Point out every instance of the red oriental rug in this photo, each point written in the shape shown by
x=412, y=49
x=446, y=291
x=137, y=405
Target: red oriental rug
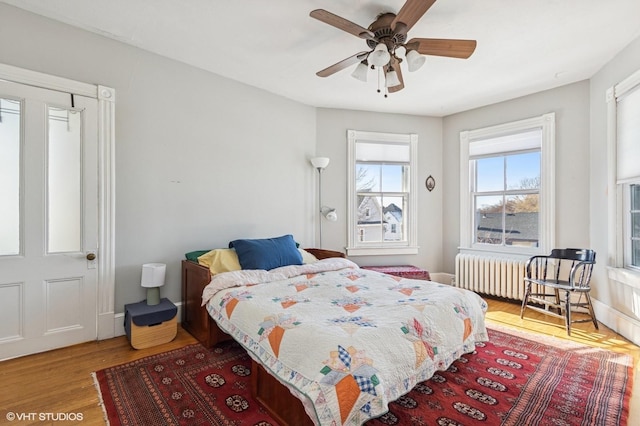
x=509, y=380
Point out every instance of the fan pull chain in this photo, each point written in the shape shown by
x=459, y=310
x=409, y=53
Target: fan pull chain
x=381, y=82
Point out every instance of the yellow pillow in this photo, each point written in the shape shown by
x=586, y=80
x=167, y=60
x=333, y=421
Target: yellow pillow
x=220, y=260
x=307, y=257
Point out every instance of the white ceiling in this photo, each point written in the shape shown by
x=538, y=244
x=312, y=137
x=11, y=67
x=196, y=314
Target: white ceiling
x=524, y=46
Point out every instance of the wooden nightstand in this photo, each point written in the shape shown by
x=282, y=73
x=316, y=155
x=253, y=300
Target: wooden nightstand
x=150, y=325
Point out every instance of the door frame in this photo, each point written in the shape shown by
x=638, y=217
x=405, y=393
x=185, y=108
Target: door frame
x=106, y=97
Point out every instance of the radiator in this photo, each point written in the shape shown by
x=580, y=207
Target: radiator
x=493, y=276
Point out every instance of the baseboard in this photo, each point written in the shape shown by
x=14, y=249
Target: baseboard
x=617, y=321
x=118, y=321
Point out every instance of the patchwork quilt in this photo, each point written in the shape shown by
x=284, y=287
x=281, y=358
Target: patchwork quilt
x=345, y=340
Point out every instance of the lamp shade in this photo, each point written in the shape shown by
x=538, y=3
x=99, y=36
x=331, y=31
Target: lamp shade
x=153, y=275
x=414, y=60
x=320, y=162
x=392, y=79
x=360, y=73
x=380, y=55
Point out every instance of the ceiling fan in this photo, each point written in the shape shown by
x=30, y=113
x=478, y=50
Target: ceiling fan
x=386, y=38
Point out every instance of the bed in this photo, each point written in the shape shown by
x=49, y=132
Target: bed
x=332, y=343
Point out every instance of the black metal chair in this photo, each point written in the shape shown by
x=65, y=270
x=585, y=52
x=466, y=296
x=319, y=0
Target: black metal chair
x=568, y=270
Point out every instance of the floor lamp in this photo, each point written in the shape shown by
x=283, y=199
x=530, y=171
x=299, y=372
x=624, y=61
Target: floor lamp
x=321, y=163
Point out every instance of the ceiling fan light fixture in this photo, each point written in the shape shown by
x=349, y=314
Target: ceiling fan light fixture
x=360, y=73
x=391, y=79
x=415, y=60
x=380, y=55
x=387, y=45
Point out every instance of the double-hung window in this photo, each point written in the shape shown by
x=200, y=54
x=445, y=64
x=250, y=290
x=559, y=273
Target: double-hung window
x=507, y=187
x=624, y=179
x=382, y=204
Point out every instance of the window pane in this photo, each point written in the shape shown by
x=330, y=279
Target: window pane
x=489, y=217
x=522, y=220
x=367, y=177
x=393, y=219
x=10, y=111
x=523, y=171
x=635, y=197
x=370, y=218
x=393, y=177
x=635, y=225
x=64, y=177
x=490, y=174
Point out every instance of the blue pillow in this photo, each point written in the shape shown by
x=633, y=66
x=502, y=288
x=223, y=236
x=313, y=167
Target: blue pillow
x=267, y=253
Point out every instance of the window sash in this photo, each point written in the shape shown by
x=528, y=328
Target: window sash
x=490, y=235
x=379, y=150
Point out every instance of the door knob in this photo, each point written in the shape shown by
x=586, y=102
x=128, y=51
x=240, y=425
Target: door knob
x=91, y=256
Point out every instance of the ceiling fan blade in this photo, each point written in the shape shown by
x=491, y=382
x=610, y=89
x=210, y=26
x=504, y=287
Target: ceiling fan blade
x=451, y=48
x=410, y=13
x=339, y=66
x=396, y=67
x=341, y=23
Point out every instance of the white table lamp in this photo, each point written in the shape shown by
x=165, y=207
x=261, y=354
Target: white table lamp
x=152, y=279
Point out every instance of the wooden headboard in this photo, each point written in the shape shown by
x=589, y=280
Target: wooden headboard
x=195, y=318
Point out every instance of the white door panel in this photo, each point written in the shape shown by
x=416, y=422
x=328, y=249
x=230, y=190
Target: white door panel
x=48, y=295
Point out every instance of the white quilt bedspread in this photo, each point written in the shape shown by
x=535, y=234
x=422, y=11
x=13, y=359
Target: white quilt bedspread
x=346, y=341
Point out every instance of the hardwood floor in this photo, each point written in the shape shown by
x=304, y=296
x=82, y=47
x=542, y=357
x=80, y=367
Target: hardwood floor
x=60, y=381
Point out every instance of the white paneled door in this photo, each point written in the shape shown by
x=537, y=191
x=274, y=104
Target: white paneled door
x=48, y=219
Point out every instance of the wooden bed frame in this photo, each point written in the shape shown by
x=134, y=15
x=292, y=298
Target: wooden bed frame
x=276, y=398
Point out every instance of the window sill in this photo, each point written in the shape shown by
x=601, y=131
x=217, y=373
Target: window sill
x=381, y=251
x=624, y=276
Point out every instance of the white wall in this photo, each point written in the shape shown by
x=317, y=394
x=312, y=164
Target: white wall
x=200, y=159
x=332, y=125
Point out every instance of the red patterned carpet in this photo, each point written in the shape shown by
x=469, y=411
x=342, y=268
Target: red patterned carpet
x=507, y=381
